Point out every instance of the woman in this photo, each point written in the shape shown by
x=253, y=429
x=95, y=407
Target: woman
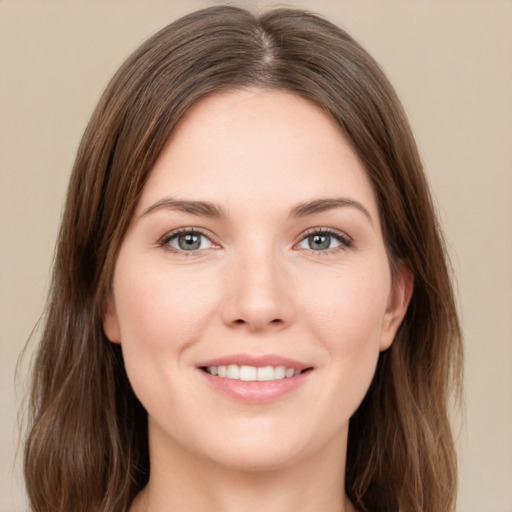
x=251, y=305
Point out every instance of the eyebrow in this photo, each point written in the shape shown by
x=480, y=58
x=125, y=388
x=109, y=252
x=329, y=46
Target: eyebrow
x=203, y=208
x=207, y=209
x=322, y=205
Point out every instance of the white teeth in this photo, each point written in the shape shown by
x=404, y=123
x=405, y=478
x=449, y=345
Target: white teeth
x=252, y=373
x=248, y=373
x=265, y=373
x=279, y=372
x=233, y=371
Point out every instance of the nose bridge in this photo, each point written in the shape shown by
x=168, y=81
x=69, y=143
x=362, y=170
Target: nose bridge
x=257, y=294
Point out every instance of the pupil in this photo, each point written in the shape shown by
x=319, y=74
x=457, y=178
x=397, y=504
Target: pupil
x=189, y=242
x=318, y=242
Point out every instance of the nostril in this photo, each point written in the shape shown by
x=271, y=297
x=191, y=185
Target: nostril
x=275, y=321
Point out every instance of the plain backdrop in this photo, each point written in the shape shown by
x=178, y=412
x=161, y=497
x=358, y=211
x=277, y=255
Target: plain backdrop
x=451, y=63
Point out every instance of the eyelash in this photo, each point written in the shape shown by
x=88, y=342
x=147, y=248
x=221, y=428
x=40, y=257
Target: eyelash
x=345, y=241
x=166, y=239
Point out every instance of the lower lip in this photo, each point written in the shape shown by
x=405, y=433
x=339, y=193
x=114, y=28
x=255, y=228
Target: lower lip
x=256, y=392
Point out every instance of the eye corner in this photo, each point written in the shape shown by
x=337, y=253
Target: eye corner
x=193, y=241
x=327, y=237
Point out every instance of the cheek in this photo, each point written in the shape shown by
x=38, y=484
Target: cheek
x=158, y=308
x=348, y=321
x=349, y=308
x=160, y=314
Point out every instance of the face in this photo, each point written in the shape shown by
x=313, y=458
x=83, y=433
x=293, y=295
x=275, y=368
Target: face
x=252, y=293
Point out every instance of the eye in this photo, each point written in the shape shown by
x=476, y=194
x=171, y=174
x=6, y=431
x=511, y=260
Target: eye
x=188, y=240
x=324, y=240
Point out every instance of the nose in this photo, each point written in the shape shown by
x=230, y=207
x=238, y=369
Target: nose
x=259, y=295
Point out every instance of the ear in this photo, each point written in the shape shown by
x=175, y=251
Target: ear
x=110, y=323
x=400, y=295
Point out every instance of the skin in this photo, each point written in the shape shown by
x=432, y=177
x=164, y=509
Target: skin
x=256, y=285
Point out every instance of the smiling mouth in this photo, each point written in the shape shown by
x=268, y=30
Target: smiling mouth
x=253, y=373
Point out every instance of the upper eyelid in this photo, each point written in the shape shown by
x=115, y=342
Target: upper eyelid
x=346, y=242
x=329, y=231
x=187, y=229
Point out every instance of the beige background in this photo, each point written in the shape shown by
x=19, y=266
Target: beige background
x=451, y=63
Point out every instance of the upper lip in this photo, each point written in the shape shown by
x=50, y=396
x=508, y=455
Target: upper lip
x=258, y=361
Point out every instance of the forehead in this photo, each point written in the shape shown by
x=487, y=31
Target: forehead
x=263, y=146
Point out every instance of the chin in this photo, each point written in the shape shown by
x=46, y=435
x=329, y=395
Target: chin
x=255, y=458
x=263, y=446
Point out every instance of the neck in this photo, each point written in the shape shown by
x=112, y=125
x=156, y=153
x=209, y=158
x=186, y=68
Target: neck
x=181, y=482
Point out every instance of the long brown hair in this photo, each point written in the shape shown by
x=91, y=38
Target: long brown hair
x=87, y=444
